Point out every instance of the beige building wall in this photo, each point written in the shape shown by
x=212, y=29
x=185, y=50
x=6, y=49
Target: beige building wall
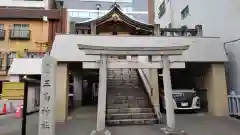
x=215, y=82
x=39, y=33
x=61, y=92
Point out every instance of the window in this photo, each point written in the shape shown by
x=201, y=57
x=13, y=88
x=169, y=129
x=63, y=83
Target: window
x=1, y=26
x=21, y=26
x=162, y=10
x=20, y=31
x=2, y=31
x=185, y=12
x=10, y=58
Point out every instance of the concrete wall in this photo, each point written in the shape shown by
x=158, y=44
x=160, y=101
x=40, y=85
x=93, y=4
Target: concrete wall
x=233, y=66
x=61, y=92
x=197, y=46
x=215, y=83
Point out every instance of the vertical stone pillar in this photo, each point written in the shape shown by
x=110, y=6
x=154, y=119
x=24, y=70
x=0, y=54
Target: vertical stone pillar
x=93, y=28
x=77, y=88
x=72, y=27
x=157, y=29
x=102, y=93
x=61, y=92
x=153, y=77
x=168, y=93
x=215, y=82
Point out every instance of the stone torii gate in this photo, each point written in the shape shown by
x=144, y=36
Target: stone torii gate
x=104, y=52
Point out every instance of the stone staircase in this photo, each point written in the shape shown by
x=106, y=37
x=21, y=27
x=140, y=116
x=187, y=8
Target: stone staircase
x=127, y=102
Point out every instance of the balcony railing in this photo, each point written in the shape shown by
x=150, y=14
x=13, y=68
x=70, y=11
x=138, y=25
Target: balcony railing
x=2, y=34
x=16, y=34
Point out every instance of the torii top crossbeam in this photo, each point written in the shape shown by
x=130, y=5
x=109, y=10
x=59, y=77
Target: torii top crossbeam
x=157, y=51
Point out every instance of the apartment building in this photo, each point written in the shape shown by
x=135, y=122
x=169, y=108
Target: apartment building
x=219, y=18
x=81, y=10
x=26, y=32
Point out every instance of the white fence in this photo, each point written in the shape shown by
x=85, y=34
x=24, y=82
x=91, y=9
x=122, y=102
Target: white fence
x=234, y=104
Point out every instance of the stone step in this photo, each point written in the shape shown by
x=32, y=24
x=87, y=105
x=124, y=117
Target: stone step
x=138, y=95
x=118, y=70
x=124, y=92
x=120, y=80
x=126, y=105
x=123, y=98
x=112, y=88
x=129, y=104
x=133, y=88
x=130, y=83
x=114, y=106
x=129, y=110
x=131, y=122
x=123, y=85
x=130, y=116
x=127, y=76
x=121, y=72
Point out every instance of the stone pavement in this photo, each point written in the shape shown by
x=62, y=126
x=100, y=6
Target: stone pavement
x=199, y=124
x=83, y=121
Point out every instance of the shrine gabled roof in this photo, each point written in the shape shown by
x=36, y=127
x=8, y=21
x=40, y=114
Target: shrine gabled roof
x=116, y=13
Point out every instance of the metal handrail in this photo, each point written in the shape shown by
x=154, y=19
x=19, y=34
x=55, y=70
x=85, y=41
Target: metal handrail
x=148, y=83
x=150, y=93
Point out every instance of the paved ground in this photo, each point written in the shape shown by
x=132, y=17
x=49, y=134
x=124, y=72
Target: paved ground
x=193, y=124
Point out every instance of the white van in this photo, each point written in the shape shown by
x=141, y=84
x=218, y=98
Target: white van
x=184, y=99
